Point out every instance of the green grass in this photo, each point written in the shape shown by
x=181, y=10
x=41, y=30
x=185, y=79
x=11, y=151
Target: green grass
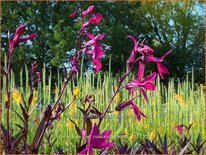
x=179, y=103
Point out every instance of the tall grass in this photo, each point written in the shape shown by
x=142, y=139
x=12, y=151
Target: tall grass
x=178, y=103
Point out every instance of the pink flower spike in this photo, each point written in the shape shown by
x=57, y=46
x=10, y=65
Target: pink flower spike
x=96, y=18
x=73, y=14
x=89, y=10
x=98, y=65
x=180, y=128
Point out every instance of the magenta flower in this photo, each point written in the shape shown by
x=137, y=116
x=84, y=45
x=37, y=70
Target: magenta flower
x=73, y=14
x=145, y=50
x=96, y=140
x=74, y=65
x=137, y=111
x=89, y=10
x=14, y=42
x=161, y=68
x=97, y=50
x=147, y=83
x=124, y=104
x=98, y=65
x=133, y=54
x=96, y=19
x=35, y=74
x=180, y=128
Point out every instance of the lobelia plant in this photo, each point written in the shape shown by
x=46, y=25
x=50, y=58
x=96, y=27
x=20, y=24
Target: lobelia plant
x=90, y=135
x=89, y=110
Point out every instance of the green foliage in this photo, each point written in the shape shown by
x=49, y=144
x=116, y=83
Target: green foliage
x=164, y=25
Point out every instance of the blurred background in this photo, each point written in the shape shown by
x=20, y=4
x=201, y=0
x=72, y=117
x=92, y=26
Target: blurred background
x=163, y=25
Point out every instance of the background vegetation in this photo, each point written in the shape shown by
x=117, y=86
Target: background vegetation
x=178, y=25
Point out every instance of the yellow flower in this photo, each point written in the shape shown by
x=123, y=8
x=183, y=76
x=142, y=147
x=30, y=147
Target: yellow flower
x=125, y=131
x=76, y=91
x=180, y=99
x=46, y=88
x=130, y=112
x=132, y=138
x=117, y=97
x=116, y=112
x=196, y=113
x=72, y=108
x=146, y=125
x=136, y=91
x=34, y=99
x=130, y=120
x=17, y=97
x=161, y=130
x=70, y=124
x=152, y=135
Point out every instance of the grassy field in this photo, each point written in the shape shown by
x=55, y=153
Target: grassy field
x=179, y=103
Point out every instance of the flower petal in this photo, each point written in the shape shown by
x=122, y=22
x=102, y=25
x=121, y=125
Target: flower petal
x=180, y=128
x=140, y=71
x=144, y=94
x=96, y=18
x=124, y=104
x=91, y=36
x=150, y=77
x=162, y=70
x=89, y=10
x=149, y=86
x=97, y=51
x=20, y=30
x=98, y=65
x=73, y=14
x=163, y=57
x=30, y=37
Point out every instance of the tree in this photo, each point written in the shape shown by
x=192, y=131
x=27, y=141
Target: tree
x=176, y=26
x=164, y=26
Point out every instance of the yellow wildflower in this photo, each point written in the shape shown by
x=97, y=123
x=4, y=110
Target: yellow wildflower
x=146, y=125
x=196, y=113
x=130, y=120
x=35, y=98
x=76, y=91
x=130, y=112
x=71, y=124
x=46, y=88
x=117, y=97
x=136, y=91
x=17, y=96
x=180, y=99
x=132, y=138
x=152, y=135
x=125, y=131
x=116, y=112
x=72, y=108
x=161, y=130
